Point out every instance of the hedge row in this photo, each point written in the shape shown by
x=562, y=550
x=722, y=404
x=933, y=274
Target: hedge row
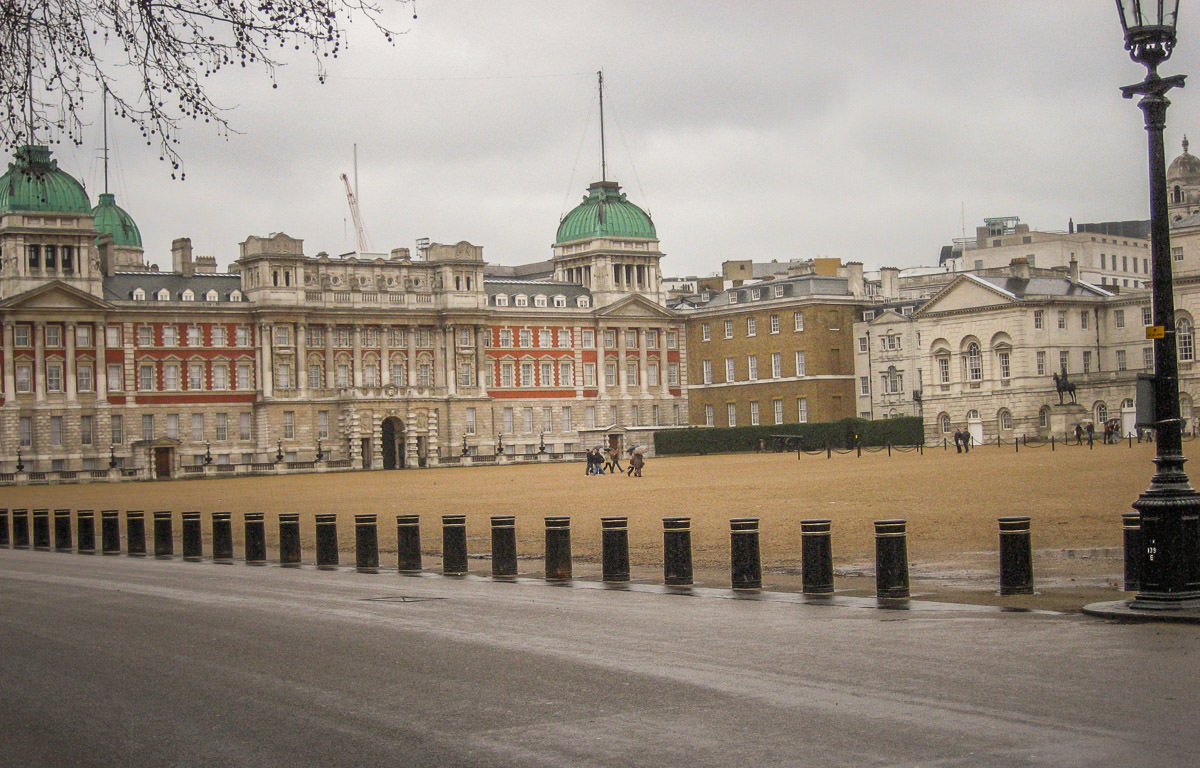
x=837, y=434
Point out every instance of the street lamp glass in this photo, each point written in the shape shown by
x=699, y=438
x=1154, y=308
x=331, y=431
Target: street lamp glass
x=1149, y=27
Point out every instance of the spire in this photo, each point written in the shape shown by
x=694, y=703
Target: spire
x=603, y=160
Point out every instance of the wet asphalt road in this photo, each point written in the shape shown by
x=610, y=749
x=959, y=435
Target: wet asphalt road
x=134, y=662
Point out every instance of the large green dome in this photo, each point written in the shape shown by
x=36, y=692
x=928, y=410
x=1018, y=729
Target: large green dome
x=605, y=212
x=34, y=183
x=113, y=220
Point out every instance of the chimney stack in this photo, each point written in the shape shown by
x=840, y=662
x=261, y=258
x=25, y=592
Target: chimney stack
x=181, y=256
x=1020, y=268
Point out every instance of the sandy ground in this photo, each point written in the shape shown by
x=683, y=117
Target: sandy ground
x=1074, y=495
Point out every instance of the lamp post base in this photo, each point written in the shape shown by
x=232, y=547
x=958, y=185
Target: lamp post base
x=1124, y=610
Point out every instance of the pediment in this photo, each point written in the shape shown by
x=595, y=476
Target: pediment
x=888, y=316
x=55, y=295
x=635, y=306
x=967, y=292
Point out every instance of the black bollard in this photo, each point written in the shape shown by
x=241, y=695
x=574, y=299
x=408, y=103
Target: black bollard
x=891, y=560
x=85, y=527
x=614, y=540
x=454, y=545
x=558, y=548
x=164, y=546
x=677, y=551
x=193, y=549
x=1016, y=556
x=289, y=540
x=135, y=533
x=256, y=539
x=816, y=557
x=4, y=539
x=408, y=543
x=41, y=529
x=62, y=530
x=1131, y=528
x=366, y=544
x=745, y=563
x=222, y=536
x=20, y=532
x=110, y=532
x=327, y=542
x=504, y=547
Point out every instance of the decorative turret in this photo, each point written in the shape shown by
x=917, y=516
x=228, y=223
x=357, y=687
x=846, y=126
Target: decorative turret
x=35, y=183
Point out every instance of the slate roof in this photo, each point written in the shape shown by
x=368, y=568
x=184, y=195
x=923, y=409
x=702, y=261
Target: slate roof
x=120, y=287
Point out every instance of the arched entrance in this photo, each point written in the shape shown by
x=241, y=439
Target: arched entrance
x=392, y=439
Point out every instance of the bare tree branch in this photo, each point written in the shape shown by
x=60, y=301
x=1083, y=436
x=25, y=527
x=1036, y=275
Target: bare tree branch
x=152, y=57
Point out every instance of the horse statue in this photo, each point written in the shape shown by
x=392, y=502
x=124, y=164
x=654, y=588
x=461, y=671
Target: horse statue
x=1064, y=385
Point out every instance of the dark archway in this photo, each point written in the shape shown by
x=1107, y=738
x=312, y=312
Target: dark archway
x=392, y=439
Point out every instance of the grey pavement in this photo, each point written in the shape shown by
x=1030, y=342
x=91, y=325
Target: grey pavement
x=118, y=661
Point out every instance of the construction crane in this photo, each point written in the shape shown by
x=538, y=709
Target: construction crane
x=360, y=229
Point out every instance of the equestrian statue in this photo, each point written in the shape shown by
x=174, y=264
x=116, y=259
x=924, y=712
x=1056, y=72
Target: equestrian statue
x=1064, y=386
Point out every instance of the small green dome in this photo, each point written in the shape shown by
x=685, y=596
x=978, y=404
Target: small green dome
x=113, y=220
x=34, y=183
x=605, y=212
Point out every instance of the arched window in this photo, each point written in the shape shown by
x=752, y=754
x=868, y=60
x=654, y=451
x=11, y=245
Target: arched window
x=1101, y=413
x=235, y=295
x=521, y=300
x=139, y=294
x=972, y=414
x=944, y=420
x=1183, y=340
x=501, y=299
x=188, y=295
x=539, y=300
x=163, y=295
x=1127, y=402
x=210, y=295
x=1005, y=418
x=974, y=363
x=1044, y=417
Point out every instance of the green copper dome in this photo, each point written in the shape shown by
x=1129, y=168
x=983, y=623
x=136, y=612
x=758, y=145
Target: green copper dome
x=34, y=183
x=605, y=212
x=113, y=220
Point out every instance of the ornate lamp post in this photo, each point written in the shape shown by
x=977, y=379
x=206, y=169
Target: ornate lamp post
x=465, y=450
x=112, y=455
x=499, y=444
x=20, y=464
x=278, y=451
x=1170, y=507
x=542, y=442
x=320, y=453
x=207, y=453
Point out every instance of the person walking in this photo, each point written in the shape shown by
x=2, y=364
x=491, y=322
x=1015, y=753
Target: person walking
x=637, y=460
x=1091, y=432
x=1078, y=434
x=614, y=460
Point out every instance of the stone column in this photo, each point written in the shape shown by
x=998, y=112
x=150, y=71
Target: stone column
x=356, y=341
x=601, y=363
x=69, y=364
x=451, y=361
x=101, y=373
x=39, y=361
x=10, y=368
x=439, y=357
x=411, y=365
x=481, y=358
x=622, y=379
x=302, y=359
x=644, y=362
x=664, y=363
x=385, y=355
x=266, y=360
x=330, y=369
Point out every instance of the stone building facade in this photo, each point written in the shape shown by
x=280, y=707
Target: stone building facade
x=112, y=367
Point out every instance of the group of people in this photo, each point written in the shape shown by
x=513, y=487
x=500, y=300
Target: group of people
x=962, y=440
x=610, y=459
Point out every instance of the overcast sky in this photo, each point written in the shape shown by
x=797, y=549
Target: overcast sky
x=867, y=131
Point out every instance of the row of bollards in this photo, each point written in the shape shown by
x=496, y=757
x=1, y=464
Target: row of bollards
x=891, y=553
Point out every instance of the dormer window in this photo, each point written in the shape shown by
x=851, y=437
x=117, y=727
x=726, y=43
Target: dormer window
x=139, y=294
x=560, y=301
x=189, y=295
x=539, y=300
x=733, y=298
x=583, y=301
x=521, y=300
x=778, y=291
x=211, y=296
x=163, y=295
x=235, y=295
x=501, y=299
